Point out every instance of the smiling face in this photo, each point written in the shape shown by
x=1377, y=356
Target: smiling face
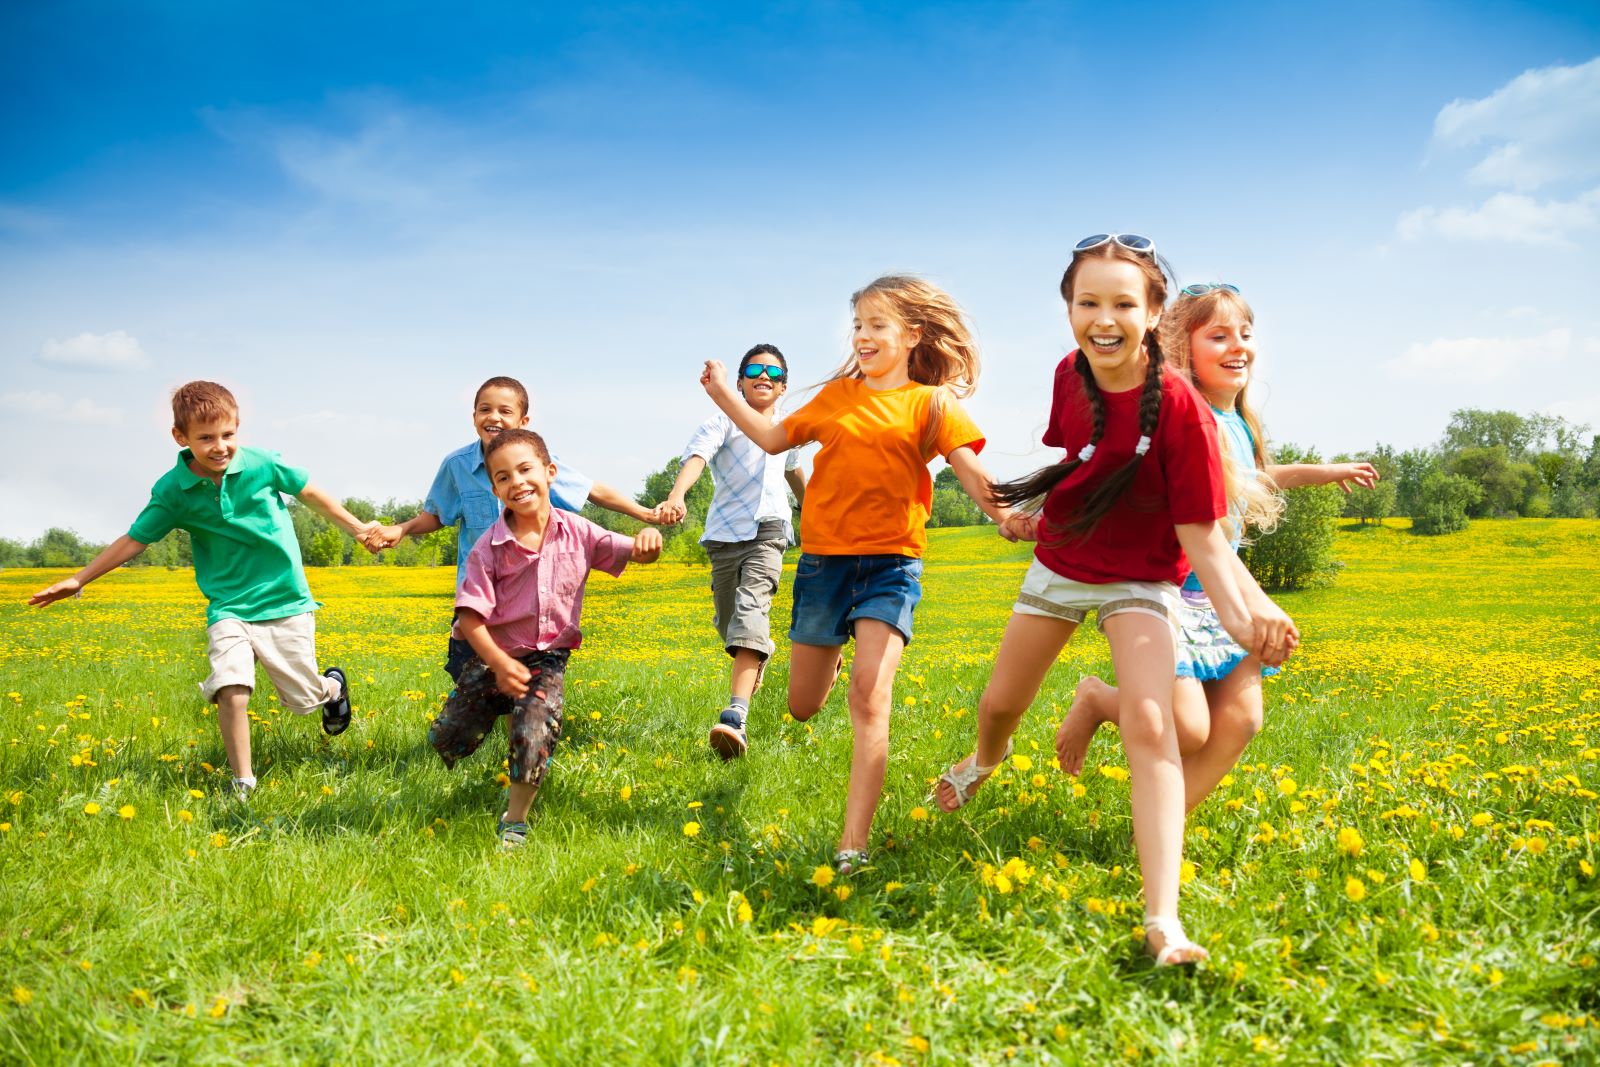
x=882, y=342
x=763, y=392
x=497, y=408
x=521, y=479
x=1221, y=354
x=1111, y=312
x=213, y=442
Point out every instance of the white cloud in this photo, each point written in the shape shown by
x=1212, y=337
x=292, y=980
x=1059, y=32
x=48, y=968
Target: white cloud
x=1544, y=126
x=34, y=402
x=1511, y=217
x=1480, y=359
x=116, y=350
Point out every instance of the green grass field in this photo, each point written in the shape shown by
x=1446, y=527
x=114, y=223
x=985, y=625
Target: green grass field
x=1403, y=871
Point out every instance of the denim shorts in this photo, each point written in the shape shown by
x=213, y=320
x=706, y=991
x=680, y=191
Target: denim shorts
x=832, y=592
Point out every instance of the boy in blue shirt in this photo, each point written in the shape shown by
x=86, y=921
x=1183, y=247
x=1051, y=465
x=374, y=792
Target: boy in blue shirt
x=246, y=562
x=461, y=494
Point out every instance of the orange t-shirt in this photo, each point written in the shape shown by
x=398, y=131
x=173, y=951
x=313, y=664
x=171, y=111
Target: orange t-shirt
x=870, y=491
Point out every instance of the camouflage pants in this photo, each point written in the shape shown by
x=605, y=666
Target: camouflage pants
x=471, y=709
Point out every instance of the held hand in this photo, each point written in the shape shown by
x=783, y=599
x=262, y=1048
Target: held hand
x=714, y=378
x=511, y=678
x=1020, y=526
x=1364, y=475
x=60, y=591
x=382, y=537
x=1275, y=634
x=646, y=545
x=670, y=511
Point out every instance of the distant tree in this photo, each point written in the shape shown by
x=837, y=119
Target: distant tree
x=1508, y=488
x=58, y=547
x=1443, y=501
x=1377, y=503
x=1471, y=428
x=326, y=548
x=696, y=502
x=1410, y=467
x=13, y=553
x=951, y=504
x=1298, y=554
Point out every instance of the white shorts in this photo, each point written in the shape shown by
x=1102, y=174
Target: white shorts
x=1044, y=592
x=287, y=649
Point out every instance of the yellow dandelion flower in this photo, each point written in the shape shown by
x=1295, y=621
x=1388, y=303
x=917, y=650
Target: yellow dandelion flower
x=1116, y=774
x=1482, y=818
x=1350, y=841
x=196, y=794
x=625, y=793
x=822, y=876
x=691, y=829
x=1287, y=786
x=1022, y=763
x=21, y=995
x=745, y=912
x=1355, y=889
x=1418, y=871
x=919, y=814
x=127, y=812
x=91, y=808
x=186, y=815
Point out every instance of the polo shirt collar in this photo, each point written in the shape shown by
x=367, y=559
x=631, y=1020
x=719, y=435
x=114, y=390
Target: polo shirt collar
x=500, y=532
x=189, y=479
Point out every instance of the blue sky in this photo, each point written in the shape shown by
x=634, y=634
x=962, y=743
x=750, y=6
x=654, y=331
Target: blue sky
x=353, y=217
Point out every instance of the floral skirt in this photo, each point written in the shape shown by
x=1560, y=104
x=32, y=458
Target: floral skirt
x=1205, y=651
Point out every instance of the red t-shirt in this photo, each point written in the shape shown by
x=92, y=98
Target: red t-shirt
x=1179, y=481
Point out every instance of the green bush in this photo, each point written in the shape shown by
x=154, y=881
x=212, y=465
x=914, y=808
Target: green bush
x=1298, y=554
x=1442, y=503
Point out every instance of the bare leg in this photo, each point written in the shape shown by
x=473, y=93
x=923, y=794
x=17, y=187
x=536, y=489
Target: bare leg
x=878, y=649
x=812, y=671
x=1027, y=652
x=1235, y=709
x=233, y=721
x=1142, y=650
x=746, y=665
x=519, y=800
x=1093, y=702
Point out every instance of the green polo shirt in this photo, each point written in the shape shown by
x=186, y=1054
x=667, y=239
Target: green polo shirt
x=246, y=557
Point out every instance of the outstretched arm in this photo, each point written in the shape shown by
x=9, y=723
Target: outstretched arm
x=1295, y=475
x=420, y=525
x=322, y=502
x=1244, y=610
x=612, y=500
x=769, y=436
x=673, y=509
x=110, y=558
x=975, y=480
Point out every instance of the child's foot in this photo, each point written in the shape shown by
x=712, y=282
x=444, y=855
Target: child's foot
x=1165, y=940
x=960, y=783
x=848, y=861
x=243, y=787
x=1081, y=721
x=336, y=712
x=513, y=835
x=727, y=737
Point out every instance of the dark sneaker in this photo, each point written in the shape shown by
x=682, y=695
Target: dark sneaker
x=727, y=737
x=336, y=712
x=513, y=835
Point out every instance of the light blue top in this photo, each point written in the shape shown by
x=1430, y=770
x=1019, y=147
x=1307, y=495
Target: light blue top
x=1240, y=445
x=461, y=495
x=750, y=484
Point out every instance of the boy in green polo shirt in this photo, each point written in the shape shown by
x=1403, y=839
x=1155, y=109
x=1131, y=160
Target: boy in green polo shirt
x=246, y=562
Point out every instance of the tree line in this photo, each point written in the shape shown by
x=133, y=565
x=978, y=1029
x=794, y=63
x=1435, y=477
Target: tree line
x=1488, y=464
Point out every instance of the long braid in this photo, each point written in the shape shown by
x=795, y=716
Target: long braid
x=1030, y=490
x=1104, y=496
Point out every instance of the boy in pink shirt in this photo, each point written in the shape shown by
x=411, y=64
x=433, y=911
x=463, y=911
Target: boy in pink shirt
x=518, y=606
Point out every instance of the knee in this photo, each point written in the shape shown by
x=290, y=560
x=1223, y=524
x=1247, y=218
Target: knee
x=868, y=702
x=1241, y=722
x=800, y=711
x=1142, y=724
x=1192, y=735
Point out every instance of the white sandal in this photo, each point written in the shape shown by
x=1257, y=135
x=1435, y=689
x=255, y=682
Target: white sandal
x=964, y=780
x=1171, y=931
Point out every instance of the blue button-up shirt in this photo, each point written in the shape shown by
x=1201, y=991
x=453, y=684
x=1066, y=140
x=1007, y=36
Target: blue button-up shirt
x=462, y=496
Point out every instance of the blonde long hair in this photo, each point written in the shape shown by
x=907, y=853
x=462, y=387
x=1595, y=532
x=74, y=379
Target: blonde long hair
x=1257, y=503
x=947, y=355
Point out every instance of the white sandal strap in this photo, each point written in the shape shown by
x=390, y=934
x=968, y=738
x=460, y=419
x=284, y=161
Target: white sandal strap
x=1172, y=933
x=964, y=779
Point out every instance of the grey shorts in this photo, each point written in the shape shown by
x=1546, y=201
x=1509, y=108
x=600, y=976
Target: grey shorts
x=744, y=577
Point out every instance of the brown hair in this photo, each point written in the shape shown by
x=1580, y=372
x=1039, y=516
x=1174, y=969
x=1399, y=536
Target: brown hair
x=946, y=356
x=500, y=381
x=201, y=402
x=1030, y=490
x=1256, y=503
x=507, y=438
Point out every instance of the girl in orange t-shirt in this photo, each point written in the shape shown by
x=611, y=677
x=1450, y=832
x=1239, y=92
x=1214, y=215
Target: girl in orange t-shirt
x=883, y=415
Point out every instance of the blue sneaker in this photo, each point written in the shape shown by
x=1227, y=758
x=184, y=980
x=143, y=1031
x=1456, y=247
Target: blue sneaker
x=727, y=737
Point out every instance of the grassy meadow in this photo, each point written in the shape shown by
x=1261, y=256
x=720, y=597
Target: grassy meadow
x=1402, y=871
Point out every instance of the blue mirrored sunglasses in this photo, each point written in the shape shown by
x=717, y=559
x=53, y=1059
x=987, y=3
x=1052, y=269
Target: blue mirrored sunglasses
x=1131, y=241
x=1202, y=288
x=756, y=370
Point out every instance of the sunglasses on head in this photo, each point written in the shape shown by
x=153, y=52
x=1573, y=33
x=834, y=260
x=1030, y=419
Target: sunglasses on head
x=1131, y=241
x=1202, y=288
x=752, y=371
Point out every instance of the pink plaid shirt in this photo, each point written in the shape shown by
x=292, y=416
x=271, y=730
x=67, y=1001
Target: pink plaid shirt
x=531, y=600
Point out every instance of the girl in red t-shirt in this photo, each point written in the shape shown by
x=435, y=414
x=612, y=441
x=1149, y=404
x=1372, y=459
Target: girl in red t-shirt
x=1141, y=487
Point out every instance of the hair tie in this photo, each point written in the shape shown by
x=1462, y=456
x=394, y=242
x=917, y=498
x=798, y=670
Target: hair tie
x=1086, y=453
x=1143, y=446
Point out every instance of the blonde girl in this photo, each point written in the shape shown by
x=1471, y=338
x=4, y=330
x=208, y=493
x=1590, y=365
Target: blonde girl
x=1141, y=487
x=888, y=410
x=1209, y=333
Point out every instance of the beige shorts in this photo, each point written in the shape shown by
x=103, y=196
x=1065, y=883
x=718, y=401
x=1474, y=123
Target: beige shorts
x=287, y=649
x=1044, y=592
